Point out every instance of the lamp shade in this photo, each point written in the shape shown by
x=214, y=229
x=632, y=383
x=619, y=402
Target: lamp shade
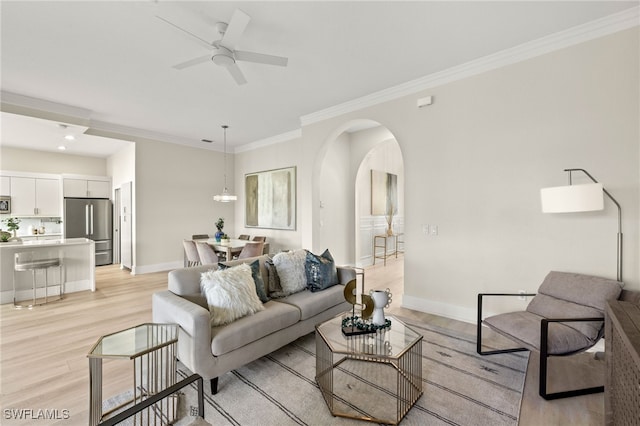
x=225, y=197
x=572, y=198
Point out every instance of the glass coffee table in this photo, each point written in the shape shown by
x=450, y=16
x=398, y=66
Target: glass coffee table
x=375, y=377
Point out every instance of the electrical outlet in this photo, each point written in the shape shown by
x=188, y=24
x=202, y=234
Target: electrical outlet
x=434, y=230
x=521, y=297
x=425, y=229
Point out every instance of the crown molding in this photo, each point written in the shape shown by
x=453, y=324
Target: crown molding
x=23, y=101
x=579, y=34
x=129, y=132
x=283, y=137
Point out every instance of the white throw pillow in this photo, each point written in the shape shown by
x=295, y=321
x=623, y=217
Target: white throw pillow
x=230, y=293
x=291, y=270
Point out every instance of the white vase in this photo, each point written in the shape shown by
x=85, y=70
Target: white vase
x=381, y=300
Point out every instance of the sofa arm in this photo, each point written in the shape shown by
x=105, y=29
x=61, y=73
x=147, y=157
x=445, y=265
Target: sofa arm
x=346, y=274
x=194, y=341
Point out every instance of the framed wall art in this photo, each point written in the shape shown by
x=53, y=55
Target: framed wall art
x=270, y=199
x=384, y=193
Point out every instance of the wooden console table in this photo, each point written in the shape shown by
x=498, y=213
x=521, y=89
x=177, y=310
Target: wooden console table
x=622, y=334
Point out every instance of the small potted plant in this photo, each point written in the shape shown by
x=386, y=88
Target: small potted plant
x=220, y=226
x=13, y=224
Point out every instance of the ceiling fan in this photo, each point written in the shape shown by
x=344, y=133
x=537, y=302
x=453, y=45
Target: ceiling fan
x=224, y=53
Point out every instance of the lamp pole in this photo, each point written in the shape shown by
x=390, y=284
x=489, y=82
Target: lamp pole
x=619, y=257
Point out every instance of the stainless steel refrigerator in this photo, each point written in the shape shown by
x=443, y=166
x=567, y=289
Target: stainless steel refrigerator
x=90, y=218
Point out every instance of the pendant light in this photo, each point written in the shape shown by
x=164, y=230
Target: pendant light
x=225, y=197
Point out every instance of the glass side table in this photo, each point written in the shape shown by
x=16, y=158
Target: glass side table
x=375, y=377
x=152, y=348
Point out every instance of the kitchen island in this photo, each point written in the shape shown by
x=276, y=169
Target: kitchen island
x=78, y=260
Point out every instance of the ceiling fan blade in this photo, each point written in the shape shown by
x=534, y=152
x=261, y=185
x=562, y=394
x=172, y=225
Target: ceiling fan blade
x=192, y=62
x=236, y=27
x=236, y=73
x=202, y=41
x=260, y=58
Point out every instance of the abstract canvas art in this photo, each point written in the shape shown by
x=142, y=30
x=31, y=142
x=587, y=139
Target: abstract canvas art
x=271, y=199
x=384, y=193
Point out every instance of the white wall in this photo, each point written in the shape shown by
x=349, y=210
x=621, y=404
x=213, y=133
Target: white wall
x=285, y=154
x=26, y=160
x=476, y=160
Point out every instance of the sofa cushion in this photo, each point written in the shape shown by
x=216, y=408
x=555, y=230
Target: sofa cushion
x=230, y=293
x=524, y=328
x=321, y=271
x=311, y=304
x=257, y=278
x=290, y=267
x=243, y=331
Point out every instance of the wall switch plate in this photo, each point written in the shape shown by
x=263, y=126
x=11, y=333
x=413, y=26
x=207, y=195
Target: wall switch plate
x=434, y=230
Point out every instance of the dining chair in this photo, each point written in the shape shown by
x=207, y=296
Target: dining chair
x=207, y=255
x=243, y=237
x=259, y=238
x=251, y=249
x=193, y=259
x=200, y=236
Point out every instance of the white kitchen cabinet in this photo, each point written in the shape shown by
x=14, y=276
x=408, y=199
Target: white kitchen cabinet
x=5, y=185
x=86, y=188
x=35, y=197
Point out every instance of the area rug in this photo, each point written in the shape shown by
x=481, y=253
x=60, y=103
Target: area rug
x=460, y=387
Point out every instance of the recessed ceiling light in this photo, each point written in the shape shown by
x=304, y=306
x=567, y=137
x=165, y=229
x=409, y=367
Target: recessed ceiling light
x=70, y=137
x=62, y=147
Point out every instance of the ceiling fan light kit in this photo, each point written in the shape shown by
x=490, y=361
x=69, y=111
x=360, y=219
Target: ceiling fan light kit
x=225, y=54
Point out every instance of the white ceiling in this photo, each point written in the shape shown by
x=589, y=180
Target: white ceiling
x=114, y=59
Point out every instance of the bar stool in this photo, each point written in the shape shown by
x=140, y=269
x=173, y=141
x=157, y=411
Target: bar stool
x=24, y=262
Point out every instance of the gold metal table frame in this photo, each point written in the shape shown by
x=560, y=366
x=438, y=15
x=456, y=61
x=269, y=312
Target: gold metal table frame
x=393, y=355
x=153, y=349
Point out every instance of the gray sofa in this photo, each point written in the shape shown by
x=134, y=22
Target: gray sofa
x=212, y=351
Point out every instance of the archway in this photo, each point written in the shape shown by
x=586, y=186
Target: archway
x=345, y=222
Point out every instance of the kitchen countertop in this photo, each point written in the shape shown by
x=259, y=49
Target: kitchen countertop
x=46, y=243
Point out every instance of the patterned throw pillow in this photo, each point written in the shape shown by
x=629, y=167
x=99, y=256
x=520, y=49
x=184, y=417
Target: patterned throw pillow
x=231, y=294
x=321, y=271
x=290, y=267
x=257, y=279
x=274, y=289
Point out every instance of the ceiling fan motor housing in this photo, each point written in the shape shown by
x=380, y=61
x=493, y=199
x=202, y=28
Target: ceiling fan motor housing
x=223, y=56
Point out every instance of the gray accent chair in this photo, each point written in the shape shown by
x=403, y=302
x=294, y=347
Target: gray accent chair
x=565, y=317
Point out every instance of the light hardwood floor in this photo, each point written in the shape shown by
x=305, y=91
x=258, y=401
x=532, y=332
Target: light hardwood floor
x=43, y=363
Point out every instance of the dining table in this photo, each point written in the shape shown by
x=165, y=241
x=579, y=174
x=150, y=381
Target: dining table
x=230, y=246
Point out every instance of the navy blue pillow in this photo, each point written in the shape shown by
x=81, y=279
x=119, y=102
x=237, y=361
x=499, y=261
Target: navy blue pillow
x=321, y=271
x=257, y=279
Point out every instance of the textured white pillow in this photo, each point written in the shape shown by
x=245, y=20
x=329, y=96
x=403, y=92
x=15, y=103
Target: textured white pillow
x=290, y=267
x=230, y=293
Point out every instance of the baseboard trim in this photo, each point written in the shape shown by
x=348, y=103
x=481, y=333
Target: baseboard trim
x=438, y=308
x=54, y=290
x=157, y=267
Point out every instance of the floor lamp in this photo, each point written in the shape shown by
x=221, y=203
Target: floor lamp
x=581, y=198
